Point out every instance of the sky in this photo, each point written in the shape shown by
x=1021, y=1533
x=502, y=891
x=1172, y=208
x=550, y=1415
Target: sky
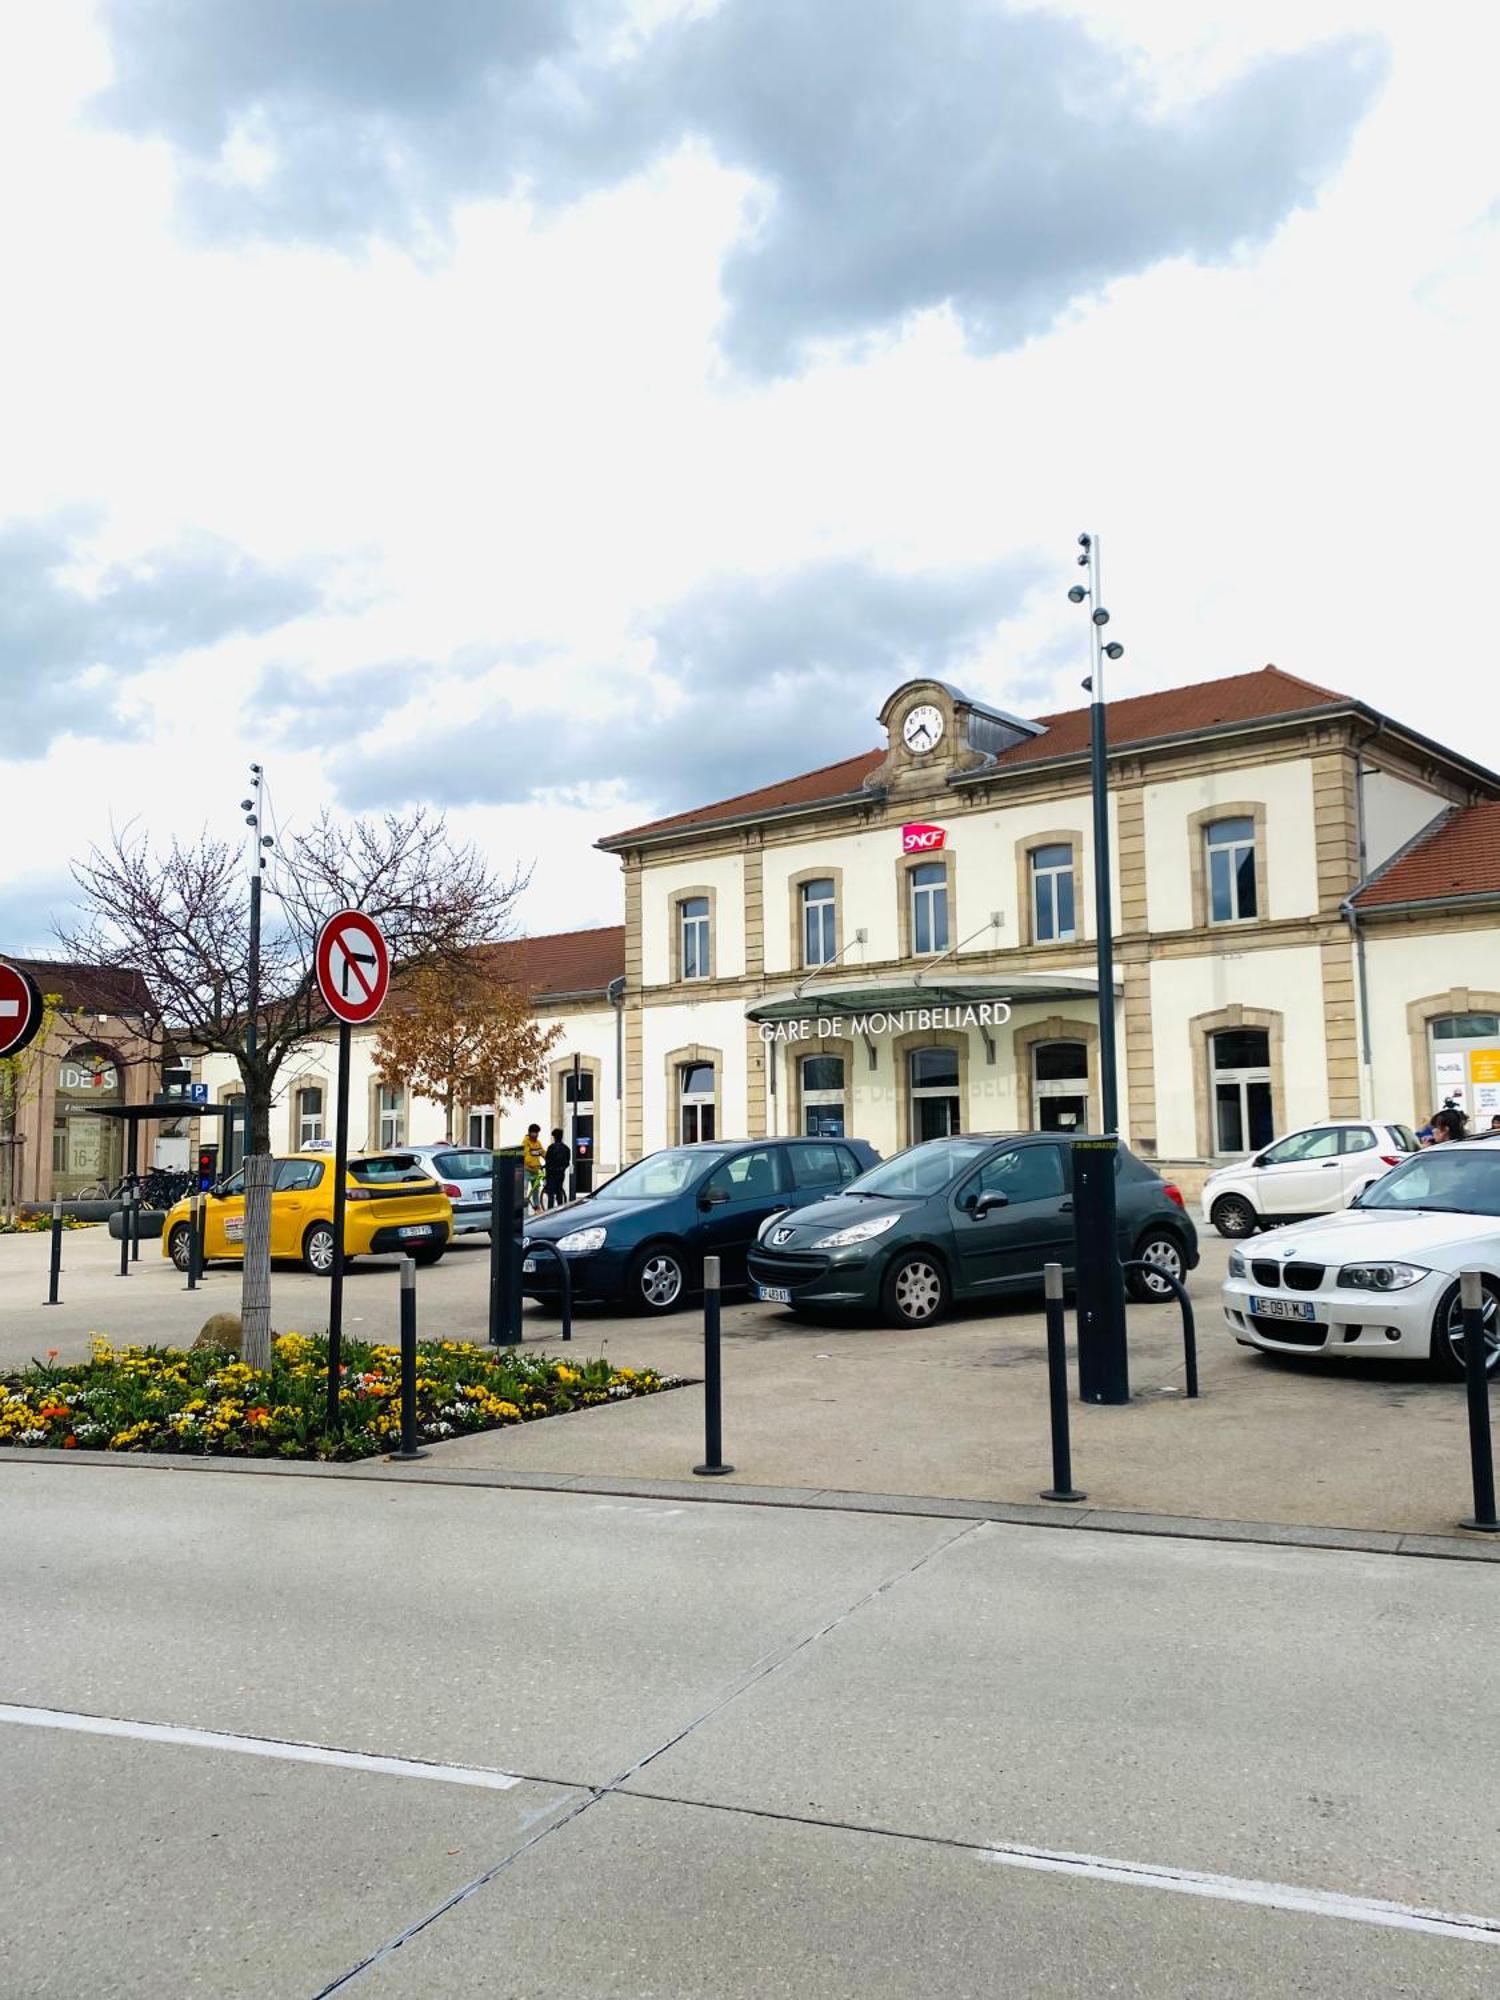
x=570, y=411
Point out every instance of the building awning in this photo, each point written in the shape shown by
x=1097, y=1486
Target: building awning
x=820, y=997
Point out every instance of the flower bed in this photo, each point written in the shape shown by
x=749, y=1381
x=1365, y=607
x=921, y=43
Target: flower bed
x=208, y=1401
x=36, y=1222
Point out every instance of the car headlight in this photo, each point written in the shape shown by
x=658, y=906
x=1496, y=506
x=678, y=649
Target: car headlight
x=1380, y=1277
x=858, y=1232
x=1238, y=1268
x=579, y=1242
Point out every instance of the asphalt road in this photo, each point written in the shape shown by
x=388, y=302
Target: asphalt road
x=631, y=1748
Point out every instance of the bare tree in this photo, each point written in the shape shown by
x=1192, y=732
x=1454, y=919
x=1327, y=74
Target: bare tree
x=180, y=916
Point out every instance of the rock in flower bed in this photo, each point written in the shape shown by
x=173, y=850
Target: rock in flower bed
x=208, y=1401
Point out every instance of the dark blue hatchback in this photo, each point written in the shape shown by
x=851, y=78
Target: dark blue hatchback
x=642, y=1238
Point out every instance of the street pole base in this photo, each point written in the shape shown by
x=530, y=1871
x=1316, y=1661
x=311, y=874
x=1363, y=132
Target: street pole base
x=1481, y=1527
x=1052, y=1493
x=405, y=1457
x=711, y=1471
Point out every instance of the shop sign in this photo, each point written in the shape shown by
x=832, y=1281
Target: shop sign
x=74, y=1076
x=899, y=1021
x=919, y=839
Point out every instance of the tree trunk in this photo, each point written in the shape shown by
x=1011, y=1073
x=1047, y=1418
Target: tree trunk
x=255, y=1281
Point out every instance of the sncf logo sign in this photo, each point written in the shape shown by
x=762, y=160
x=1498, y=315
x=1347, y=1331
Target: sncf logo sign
x=922, y=839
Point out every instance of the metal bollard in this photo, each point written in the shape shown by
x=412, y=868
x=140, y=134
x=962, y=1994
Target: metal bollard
x=193, y=1242
x=1477, y=1382
x=125, y=1233
x=409, y=1446
x=1062, y=1487
x=56, y=1269
x=713, y=1414
x=505, y=1255
x=135, y=1224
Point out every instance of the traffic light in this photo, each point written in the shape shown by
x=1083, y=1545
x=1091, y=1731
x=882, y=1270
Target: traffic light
x=208, y=1167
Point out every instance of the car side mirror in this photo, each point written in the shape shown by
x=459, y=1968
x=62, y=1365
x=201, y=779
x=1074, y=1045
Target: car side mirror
x=989, y=1202
x=713, y=1197
x=968, y=1201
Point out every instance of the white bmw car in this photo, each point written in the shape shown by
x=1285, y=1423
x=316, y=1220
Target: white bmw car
x=1382, y=1276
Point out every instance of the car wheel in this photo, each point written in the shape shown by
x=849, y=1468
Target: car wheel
x=1161, y=1251
x=1448, y=1330
x=428, y=1256
x=915, y=1292
x=317, y=1250
x=657, y=1279
x=180, y=1245
x=1233, y=1216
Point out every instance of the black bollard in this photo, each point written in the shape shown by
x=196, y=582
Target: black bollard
x=129, y=1196
x=193, y=1243
x=1477, y=1381
x=56, y=1270
x=1057, y=1389
x=409, y=1446
x=505, y=1255
x=713, y=1414
x=135, y=1222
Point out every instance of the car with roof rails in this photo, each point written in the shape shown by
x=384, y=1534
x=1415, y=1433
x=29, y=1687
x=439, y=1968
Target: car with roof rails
x=642, y=1238
x=966, y=1217
x=1315, y=1170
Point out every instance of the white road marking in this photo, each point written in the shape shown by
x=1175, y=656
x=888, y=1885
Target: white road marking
x=257, y=1746
x=1266, y=1895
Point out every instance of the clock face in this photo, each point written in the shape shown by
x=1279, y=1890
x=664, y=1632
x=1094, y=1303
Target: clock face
x=923, y=728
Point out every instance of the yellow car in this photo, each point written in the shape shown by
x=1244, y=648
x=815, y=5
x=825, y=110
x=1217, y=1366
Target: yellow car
x=391, y=1206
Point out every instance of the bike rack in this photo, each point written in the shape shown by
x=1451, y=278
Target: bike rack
x=530, y=1250
x=1189, y=1330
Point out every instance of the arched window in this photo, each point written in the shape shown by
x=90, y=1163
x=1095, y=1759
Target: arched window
x=86, y=1150
x=696, y=1102
x=928, y=888
x=1060, y=1085
x=823, y=1097
x=933, y=1082
x=1240, y=1065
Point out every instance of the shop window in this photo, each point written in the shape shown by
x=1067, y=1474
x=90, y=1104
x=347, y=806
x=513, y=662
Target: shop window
x=823, y=1097
x=1465, y=1063
x=309, y=1115
x=696, y=1101
x=819, y=922
x=1240, y=1063
x=1060, y=1086
x=928, y=888
x=695, y=938
x=933, y=1084
x=390, y=1116
x=1229, y=851
x=86, y=1150
x=1052, y=895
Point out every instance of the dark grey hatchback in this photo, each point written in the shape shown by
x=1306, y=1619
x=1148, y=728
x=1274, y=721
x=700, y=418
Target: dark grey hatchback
x=960, y=1218
x=643, y=1237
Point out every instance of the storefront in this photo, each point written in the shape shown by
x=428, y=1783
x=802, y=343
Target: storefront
x=86, y=1149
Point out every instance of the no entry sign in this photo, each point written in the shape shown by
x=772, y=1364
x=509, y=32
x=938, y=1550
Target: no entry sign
x=353, y=966
x=20, y=1009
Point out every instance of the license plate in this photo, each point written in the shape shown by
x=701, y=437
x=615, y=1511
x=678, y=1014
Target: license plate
x=1281, y=1309
x=773, y=1295
x=528, y=1268
x=416, y=1229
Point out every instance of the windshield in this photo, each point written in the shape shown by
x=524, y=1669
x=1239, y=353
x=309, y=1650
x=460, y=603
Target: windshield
x=922, y=1170
x=1448, y=1176
x=661, y=1174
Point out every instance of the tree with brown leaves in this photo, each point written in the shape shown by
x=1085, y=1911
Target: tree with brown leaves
x=459, y=1034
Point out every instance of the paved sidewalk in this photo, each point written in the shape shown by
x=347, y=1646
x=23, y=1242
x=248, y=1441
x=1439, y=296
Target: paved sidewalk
x=957, y=1412
x=296, y=1736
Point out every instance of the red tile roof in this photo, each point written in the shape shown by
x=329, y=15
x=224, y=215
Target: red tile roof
x=91, y=989
x=563, y=961
x=1458, y=857
x=1252, y=697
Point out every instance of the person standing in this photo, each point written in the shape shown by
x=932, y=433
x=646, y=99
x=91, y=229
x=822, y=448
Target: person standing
x=558, y=1158
x=533, y=1163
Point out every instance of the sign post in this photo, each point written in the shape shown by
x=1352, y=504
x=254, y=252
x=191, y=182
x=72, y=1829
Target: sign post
x=352, y=964
x=21, y=1009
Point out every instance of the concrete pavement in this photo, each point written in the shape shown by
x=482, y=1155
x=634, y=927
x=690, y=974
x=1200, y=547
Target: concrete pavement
x=753, y=1752
x=959, y=1411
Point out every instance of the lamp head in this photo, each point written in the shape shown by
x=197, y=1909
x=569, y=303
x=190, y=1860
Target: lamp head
x=1101, y=616
x=1114, y=650
x=1077, y=594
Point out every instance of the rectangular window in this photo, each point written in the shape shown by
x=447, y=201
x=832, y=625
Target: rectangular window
x=692, y=916
x=309, y=1115
x=929, y=908
x=391, y=1118
x=818, y=925
x=1052, y=898
x=482, y=1129
x=696, y=1091
x=1230, y=853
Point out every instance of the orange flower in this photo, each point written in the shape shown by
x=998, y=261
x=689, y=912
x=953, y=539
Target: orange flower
x=257, y=1414
x=70, y=1444
x=51, y=1410
x=52, y=1353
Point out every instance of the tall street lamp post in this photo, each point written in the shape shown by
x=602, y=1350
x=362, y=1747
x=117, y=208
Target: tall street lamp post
x=1103, y=1365
x=255, y=1279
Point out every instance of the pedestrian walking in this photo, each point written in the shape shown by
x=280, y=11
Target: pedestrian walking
x=557, y=1161
x=533, y=1164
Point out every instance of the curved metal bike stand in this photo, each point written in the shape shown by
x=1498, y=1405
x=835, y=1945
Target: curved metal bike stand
x=1189, y=1331
x=566, y=1277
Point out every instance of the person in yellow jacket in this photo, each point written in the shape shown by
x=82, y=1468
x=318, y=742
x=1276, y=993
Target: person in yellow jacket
x=533, y=1165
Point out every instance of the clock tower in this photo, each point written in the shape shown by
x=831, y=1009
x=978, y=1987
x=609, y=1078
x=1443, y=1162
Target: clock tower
x=933, y=732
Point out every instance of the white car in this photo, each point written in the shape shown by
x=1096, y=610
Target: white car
x=1316, y=1171
x=1381, y=1278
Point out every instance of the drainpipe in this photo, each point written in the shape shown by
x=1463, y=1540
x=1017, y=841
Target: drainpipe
x=1351, y=917
x=614, y=993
